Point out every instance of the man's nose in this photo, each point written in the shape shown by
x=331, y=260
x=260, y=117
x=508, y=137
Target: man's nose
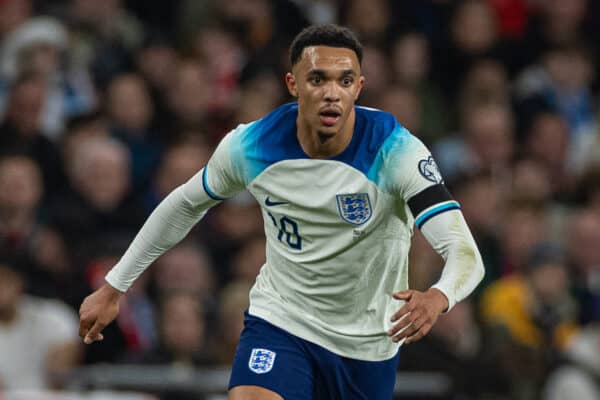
x=332, y=93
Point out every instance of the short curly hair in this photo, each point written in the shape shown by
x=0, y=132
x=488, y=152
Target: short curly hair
x=324, y=35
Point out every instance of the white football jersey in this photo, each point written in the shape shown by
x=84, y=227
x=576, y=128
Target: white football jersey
x=338, y=230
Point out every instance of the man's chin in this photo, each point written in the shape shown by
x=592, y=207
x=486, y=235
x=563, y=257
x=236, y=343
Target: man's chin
x=326, y=135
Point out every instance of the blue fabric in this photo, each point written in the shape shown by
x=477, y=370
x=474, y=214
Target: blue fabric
x=273, y=138
x=436, y=210
x=302, y=370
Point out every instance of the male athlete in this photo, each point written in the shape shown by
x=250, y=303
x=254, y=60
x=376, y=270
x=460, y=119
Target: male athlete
x=340, y=187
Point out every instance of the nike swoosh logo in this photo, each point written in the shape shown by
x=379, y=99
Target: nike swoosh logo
x=270, y=203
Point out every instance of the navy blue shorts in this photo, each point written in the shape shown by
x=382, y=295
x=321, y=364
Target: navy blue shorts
x=296, y=369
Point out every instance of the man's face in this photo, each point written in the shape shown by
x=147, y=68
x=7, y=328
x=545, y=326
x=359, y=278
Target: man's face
x=327, y=82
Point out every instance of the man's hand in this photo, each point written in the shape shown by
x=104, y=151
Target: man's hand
x=418, y=315
x=98, y=310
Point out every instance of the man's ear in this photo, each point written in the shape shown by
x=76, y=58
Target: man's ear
x=361, y=83
x=290, y=82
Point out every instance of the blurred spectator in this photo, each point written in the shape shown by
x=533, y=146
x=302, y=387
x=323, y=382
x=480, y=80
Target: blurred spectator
x=411, y=67
x=579, y=376
x=531, y=180
x=561, y=82
x=21, y=190
x=24, y=236
x=486, y=82
x=534, y=317
x=183, y=340
x=179, y=163
x=182, y=330
x=320, y=11
x=547, y=142
x=130, y=111
x=588, y=189
x=249, y=259
x=524, y=223
x=103, y=35
x=482, y=201
x=583, y=236
x=39, y=46
x=455, y=346
x=371, y=20
x=376, y=67
x=21, y=130
x=38, y=337
x=225, y=59
x=232, y=223
x=473, y=36
x=186, y=267
x=402, y=101
x=233, y=303
x=80, y=129
x=156, y=62
x=487, y=143
x=190, y=94
x=135, y=330
x=556, y=22
x=14, y=13
x=101, y=202
x=260, y=92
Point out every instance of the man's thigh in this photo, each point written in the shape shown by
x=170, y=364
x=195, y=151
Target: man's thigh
x=270, y=364
x=252, y=393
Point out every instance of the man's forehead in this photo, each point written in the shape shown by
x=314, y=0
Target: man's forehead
x=326, y=57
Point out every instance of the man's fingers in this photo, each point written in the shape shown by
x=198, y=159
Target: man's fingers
x=405, y=309
x=403, y=295
x=413, y=329
x=404, y=323
x=419, y=334
x=84, y=327
x=94, y=333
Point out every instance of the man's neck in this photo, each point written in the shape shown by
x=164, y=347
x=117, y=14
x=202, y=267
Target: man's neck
x=320, y=145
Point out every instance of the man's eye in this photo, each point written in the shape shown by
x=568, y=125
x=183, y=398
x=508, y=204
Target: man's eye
x=316, y=80
x=347, y=81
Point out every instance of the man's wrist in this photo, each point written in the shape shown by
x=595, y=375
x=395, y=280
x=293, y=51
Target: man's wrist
x=443, y=300
x=111, y=291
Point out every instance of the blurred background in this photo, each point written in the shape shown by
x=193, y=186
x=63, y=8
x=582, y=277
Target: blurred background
x=106, y=106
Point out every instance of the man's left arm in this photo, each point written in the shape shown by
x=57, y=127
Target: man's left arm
x=439, y=218
x=449, y=235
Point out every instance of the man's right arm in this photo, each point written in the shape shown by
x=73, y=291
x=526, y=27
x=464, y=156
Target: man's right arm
x=168, y=224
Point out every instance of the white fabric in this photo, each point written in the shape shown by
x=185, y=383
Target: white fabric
x=449, y=235
x=167, y=225
x=327, y=280
x=24, y=343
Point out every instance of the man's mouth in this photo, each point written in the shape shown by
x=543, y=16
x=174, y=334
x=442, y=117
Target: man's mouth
x=329, y=117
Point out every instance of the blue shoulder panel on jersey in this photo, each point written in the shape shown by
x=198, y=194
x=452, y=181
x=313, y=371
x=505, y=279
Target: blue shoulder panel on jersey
x=273, y=138
x=371, y=130
x=269, y=140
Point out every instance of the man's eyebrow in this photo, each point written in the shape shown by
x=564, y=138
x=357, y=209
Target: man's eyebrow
x=317, y=72
x=320, y=72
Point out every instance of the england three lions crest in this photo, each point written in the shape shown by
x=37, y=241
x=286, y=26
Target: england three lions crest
x=261, y=360
x=354, y=208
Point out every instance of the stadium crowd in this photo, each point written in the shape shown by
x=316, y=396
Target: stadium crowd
x=107, y=106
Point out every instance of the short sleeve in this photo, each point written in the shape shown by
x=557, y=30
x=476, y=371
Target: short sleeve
x=416, y=177
x=222, y=177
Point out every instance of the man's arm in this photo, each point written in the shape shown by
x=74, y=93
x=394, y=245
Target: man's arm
x=416, y=178
x=449, y=235
x=168, y=224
